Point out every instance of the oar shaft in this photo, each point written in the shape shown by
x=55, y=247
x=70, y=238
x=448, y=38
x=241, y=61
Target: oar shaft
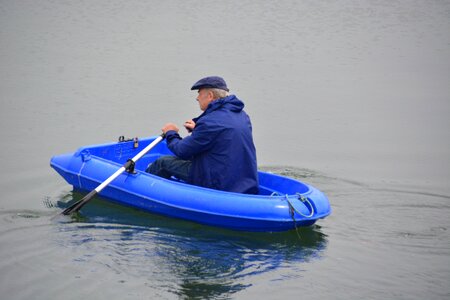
x=110, y=179
x=77, y=206
x=146, y=149
x=124, y=167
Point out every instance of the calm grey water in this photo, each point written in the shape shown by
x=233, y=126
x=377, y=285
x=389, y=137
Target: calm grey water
x=350, y=96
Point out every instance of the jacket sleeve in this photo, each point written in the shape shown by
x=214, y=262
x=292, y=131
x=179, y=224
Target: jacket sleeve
x=200, y=140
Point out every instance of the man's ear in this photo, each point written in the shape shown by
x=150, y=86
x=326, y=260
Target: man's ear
x=210, y=94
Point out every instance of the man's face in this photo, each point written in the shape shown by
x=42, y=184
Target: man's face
x=204, y=97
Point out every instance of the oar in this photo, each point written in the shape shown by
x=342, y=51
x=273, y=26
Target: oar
x=79, y=204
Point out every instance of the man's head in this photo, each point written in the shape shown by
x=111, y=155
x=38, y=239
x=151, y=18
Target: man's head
x=210, y=89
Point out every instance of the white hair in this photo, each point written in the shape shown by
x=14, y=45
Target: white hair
x=218, y=93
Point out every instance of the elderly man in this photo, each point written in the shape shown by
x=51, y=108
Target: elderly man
x=219, y=153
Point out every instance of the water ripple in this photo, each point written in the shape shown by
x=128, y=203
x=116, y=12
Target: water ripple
x=181, y=257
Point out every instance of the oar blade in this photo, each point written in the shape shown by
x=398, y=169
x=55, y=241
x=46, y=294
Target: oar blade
x=79, y=204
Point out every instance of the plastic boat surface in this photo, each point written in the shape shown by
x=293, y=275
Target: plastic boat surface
x=282, y=204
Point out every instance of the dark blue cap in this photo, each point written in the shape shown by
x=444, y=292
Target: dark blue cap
x=215, y=82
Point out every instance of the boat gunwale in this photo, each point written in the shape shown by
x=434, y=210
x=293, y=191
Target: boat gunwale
x=186, y=186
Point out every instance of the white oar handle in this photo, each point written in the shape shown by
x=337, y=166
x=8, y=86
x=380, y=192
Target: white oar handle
x=133, y=160
x=146, y=149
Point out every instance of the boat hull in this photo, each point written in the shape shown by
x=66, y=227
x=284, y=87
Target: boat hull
x=283, y=203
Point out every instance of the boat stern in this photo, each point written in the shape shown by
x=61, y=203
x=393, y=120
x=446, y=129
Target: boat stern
x=68, y=166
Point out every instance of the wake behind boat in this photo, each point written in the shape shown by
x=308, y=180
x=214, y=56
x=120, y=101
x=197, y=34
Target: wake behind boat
x=282, y=204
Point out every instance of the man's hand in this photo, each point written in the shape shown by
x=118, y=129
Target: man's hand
x=189, y=125
x=169, y=127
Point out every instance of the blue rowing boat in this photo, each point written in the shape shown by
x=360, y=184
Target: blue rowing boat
x=282, y=204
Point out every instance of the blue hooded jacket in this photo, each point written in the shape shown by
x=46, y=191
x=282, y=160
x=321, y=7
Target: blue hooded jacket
x=220, y=147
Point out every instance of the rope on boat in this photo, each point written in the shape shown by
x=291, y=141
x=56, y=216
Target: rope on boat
x=303, y=199
x=291, y=212
x=292, y=209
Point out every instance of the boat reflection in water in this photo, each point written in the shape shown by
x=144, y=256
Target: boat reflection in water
x=185, y=259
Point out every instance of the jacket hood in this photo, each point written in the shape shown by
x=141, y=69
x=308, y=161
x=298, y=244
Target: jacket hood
x=230, y=102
